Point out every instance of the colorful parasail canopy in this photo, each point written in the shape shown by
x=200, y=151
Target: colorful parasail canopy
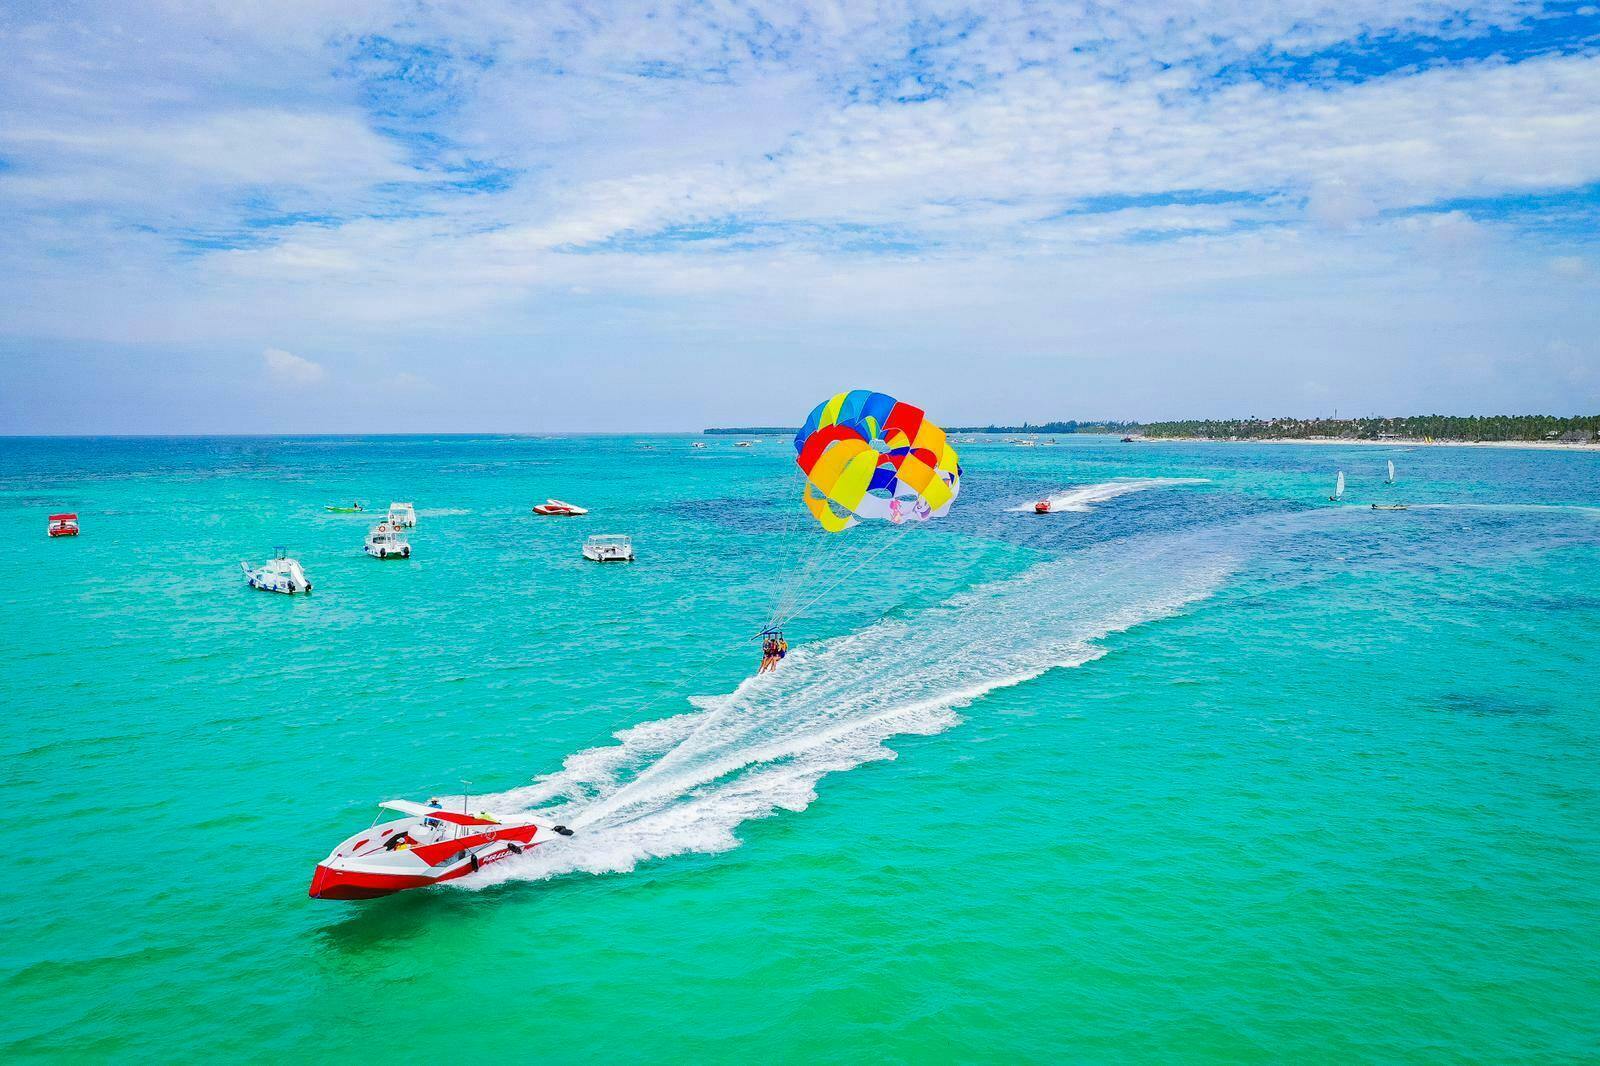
x=869, y=456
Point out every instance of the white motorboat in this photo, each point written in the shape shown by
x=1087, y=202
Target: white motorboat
x=282, y=574
x=559, y=509
x=609, y=548
x=426, y=847
x=385, y=541
x=402, y=515
x=698, y=444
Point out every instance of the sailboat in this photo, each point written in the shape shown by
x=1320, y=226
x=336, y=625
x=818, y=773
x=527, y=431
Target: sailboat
x=1389, y=506
x=1338, y=488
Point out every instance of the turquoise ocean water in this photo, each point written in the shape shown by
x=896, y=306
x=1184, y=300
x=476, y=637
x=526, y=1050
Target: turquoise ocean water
x=1199, y=768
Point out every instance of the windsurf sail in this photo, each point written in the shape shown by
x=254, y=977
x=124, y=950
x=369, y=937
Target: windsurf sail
x=1338, y=486
x=1391, y=471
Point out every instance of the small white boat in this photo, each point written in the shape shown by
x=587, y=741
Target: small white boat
x=282, y=574
x=559, y=508
x=402, y=515
x=608, y=548
x=746, y=444
x=698, y=444
x=385, y=541
x=1338, y=488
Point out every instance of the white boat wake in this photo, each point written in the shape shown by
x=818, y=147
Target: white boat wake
x=685, y=783
x=1079, y=499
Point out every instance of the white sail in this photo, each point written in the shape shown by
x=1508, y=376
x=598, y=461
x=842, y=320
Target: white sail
x=1338, y=486
x=1391, y=471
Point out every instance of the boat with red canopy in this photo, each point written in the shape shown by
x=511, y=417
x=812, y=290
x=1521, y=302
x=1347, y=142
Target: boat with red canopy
x=426, y=847
x=63, y=525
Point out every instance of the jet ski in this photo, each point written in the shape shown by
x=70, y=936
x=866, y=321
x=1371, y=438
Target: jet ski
x=1042, y=507
x=560, y=508
x=426, y=847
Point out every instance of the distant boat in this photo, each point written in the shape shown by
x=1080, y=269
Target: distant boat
x=1338, y=488
x=608, y=548
x=354, y=508
x=1390, y=507
x=1391, y=473
x=282, y=574
x=559, y=508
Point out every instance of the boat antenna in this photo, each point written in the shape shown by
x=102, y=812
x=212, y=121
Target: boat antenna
x=465, y=784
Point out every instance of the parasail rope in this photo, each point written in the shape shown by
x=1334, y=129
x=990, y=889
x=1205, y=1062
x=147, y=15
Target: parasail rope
x=887, y=544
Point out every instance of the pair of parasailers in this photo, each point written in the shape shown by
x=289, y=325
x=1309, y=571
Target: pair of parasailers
x=773, y=649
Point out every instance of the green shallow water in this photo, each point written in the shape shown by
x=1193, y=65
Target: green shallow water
x=1211, y=771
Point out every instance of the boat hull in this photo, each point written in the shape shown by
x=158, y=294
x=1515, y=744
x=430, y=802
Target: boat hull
x=330, y=883
x=336, y=882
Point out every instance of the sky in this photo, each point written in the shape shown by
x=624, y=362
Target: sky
x=481, y=216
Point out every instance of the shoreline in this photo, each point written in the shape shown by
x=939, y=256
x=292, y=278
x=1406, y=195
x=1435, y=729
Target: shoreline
x=1405, y=442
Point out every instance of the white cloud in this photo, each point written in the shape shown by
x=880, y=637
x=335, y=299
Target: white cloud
x=1075, y=178
x=291, y=369
x=1339, y=205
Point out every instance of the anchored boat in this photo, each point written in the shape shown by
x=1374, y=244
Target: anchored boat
x=559, y=508
x=402, y=515
x=386, y=542
x=282, y=574
x=63, y=525
x=609, y=548
x=426, y=847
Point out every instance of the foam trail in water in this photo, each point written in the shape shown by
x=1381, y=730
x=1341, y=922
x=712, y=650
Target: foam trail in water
x=1079, y=499
x=685, y=783
x=1507, y=507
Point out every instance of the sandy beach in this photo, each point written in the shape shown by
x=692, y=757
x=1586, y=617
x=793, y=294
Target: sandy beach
x=1400, y=442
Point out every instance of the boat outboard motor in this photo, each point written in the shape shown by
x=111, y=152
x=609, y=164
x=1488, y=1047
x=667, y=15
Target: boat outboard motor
x=563, y=830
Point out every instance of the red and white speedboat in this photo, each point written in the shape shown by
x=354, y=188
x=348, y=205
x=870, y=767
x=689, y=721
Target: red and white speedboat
x=559, y=507
x=1042, y=507
x=428, y=846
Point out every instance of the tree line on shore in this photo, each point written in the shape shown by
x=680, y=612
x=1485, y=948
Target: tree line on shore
x=1416, y=427
x=1437, y=427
